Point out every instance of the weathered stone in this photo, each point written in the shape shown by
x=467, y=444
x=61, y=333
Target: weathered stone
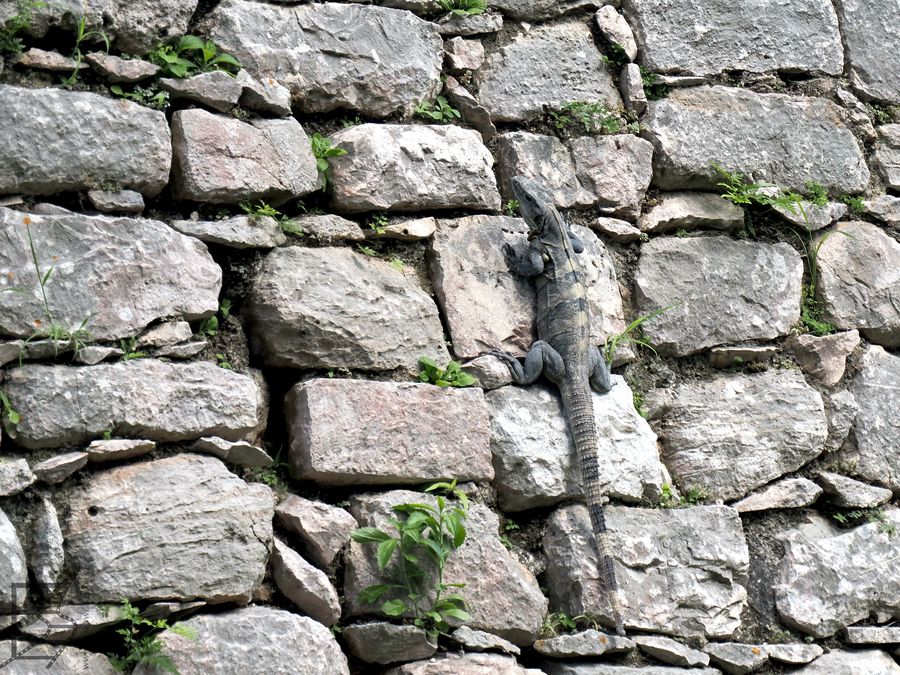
x=64, y=404
x=540, y=9
x=767, y=136
x=73, y=622
x=616, y=30
x=337, y=430
x=406, y=229
x=466, y=26
x=549, y=65
x=885, y=208
x=473, y=113
x=680, y=572
x=304, y=585
x=185, y=351
x=692, y=210
x=731, y=356
x=164, y=610
x=789, y=493
x=10, y=620
x=872, y=47
x=489, y=371
x=813, y=217
x=178, y=528
x=616, y=230
x=736, y=658
x=168, y=333
x=382, y=642
x=13, y=572
x=412, y=167
x=479, y=641
x=671, y=651
x=239, y=453
x=332, y=307
x=825, y=357
x=371, y=59
x=631, y=87
x=116, y=69
x=330, y=228
x=887, y=155
x=282, y=642
x=235, y=232
x=215, y=89
x=535, y=459
x=716, y=290
x=463, y=54
x=859, y=281
x=95, y=280
x=264, y=94
x=121, y=201
x=829, y=583
x=587, y=643
x=761, y=427
x=503, y=598
x=486, y=307
x=795, y=654
x=116, y=449
x=52, y=61
x=94, y=354
x=850, y=493
x=856, y=662
x=45, y=551
x=842, y=412
x=57, y=469
x=225, y=161
x=58, y=140
x=10, y=350
x=15, y=476
x=464, y=664
x=51, y=659
x=871, y=635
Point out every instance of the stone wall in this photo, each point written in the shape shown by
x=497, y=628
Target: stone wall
x=200, y=403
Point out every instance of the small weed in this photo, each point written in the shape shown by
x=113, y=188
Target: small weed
x=323, y=148
x=506, y=541
x=263, y=210
x=10, y=417
x=397, y=264
x=463, y=7
x=594, y=118
x=681, y=233
x=222, y=362
x=452, y=376
x=378, y=221
x=816, y=193
x=881, y=114
x=511, y=526
x=149, y=97
x=653, y=88
x=10, y=42
x=141, y=644
x=191, y=55
x=871, y=515
x=559, y=623
x=367, y=250
x=855, y=203
x=107, y=434
x=84, y=35
x=690, y=497
x=511, y=208
x=273, y=476
x=739, y=190
x=350, y=121
x=225, y=307
x=637, y=399
x=208, y=327
x=128, y=349
x=614, y=341
x=617, y=58
x=439, y=111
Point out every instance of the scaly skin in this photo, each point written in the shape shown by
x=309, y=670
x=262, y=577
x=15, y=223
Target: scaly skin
x=563, y=351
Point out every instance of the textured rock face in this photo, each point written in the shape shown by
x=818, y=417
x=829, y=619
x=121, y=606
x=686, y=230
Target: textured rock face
x=464, y=664
x=59, y=140
x=686, y=38
x=177, y=528
x=872, y=47
x=887, y=155
x=371, y=59
x=119, y=274
x=323, y=528
x=825, y=357
x=856, y=662
x=13, y=573
x=733, y=433
x=338, y=431
x=406, y=167
x=851, y=493
x=680, y=572
x=585, y=644
x=51, y=659
x=304, y=585
x=332, y=307
x=535, y=459
x=548, y=65
x=65, y=404
x=767, y=136
x=383, y=642
x=692, y=210
x=790, y=493
x=236, y=232
x=718, y=290
x=540, y=9
x=15, y=476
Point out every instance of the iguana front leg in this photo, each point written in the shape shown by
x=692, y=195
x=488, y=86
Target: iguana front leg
x=600, y=378
x=529, y=264
x=541, y=358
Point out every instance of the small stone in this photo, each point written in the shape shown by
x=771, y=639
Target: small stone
x=473, y=113
x=842, y=412
x=631, y=86
x=116, y=69
x=406, y=230
x=463, y=54
x=94, y=354
x=10, y=351
x=9, y=620
x=825, y=357
x=216, y=89
x=675, y=81
x=13, y=571
x=57, y=469
x=730, y=357
x=264, y=94
x=872, y=635
x=478, y=24
x=692, y=210
x=382, y=642
x=116, y=449
x=73, y=622
x=814, y=217
x=330, y=228
x=671, y=651
x=15, y=476
x=164, y=334
x=45, y=553
x=885, y=208
x=304, y=585
x=123, y=201
x=481, y=641
x=736, y=658
x=789, y=493
x=616, y=230
x=239, y=453
x=323, y=528
x=239, y=232
x=887, y=155
x=616, y=30
x=864, y=662
x=184, y=351
x=52, y=61
x=850, y=493
x=587, y=643
x=489, y=371
x=795, y=654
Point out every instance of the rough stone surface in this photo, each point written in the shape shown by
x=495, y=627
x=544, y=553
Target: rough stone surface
x=873, y=48
x=548, y=65
x=93, y=354
x=479, y=641
x=796, y=654
x=95, y=277
x=631, y=86
x=264, y=95
x=813, y=217
x=616, y=230
x=583, y=645
x=731, y=356
x=371, y=59
x=225, y=161
x=680, y=572
x=464, y=664
x=736, y=658
x=239, y=453
x=717, y=290
x=407, y=167
x=407, y=229
x=216, y=89
x=116, y=69
x=885, y=208
x=332, y=307
x=58, y=140
x=338, y=429
x=474, y=114
x=382, y=642
x=185, y=351
x=122, y=201
x=304, y=585
x=323, y=528
x=535, y=459
x=462, y=54
x=57, y=469
x=825, y=357
x=856, y=662
x=692, y=210
x=872, y=635
x=478, y=24
x=887, y=155
x=72, y=622
x=850, y=493
x=64, y=404
x=13, y=572
x=45, y=552
x=790, y=493
x=52, y=659
x=116, y=449
x=15, y=476
x=164, y=334
x=503, y=598
x=489, y=371
x=767, y=136
x=540, y=9
x=616, y=30
x=52, y=61
x=178, y=528
x=671, y=651
x=330, y=228
x=842, y=412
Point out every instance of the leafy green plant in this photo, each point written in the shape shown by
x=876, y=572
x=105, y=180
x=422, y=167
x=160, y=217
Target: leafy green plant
x=451, y=376
x=617, y=57
x=222, y=362
x=426, y=536
x=141, y=644
x=690, y=497
x=855, y=203
x=397, y=264
x=511, y=208
x=275, y=476
x=738, y=189
x=149, y=96
x=263, y=210
x=463, y=7
x=440, y=110
x=593, y=117
x=11, y=416
x=378, y=221
x=627, y=336
x=208, y=327
x=870, y=515
x=637, y=399
x=84, y=35
x=10, y=42
x=558, y=623
x=323, y=148
x=816, y=193
x=189, y=55
x=653, y=88
x=128, y=349
x=367, y=250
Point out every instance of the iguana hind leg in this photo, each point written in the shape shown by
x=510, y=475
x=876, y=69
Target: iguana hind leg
x=600, y=379
x=541, y=358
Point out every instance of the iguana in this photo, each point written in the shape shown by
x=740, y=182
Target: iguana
x=563, y=351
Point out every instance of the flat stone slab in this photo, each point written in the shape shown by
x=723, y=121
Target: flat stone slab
x=887, y=155
x=585, y=644
x=479, y=640
x=849, y=493
x=116, y=69
x=864, y=662
x=58, y=140
x=337, y=429
x=691, y=211
x=671, y=651
x=795, y=654
x=121, y=201
x=72, y=622
x=330, y=227
x=412, y=167
x=732, y=356
x=674, y=37
x=95, y=280
x=548, y=65
x=737, y=658
x=703, y=283
x=236, y=232
x=374, y=60
x=324, y=529
x=239, y=453
x=885, y=208
x=767, y=136
x=52, y=61
x=680, y=571
x=63, y=405
x=307, y=587
x=215, y=89
x=733, y=433
x=541, y=9
x=57, y=469
x=871, y=635
x=382, y=642
x=789, y=493
x=534, y=456
x=179, y=528
x=15, y=476
x=265, y=95
x=13, y=572
x=872, y=47
x=464, y=664
x=51, y=659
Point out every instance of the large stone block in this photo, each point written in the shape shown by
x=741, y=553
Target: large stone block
x=873, y=46
x=540, y=9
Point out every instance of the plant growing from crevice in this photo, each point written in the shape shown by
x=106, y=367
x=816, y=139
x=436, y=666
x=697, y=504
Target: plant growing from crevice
x=264, y=210
x=451, y=376
x=591, y=116
x=141, y=643
x=870, y=515
x=627, y=336
x=323, y=148
x=129, y=350
x=463, y=7
x=670, y=499
x=439, y=111
x=9, y=416
x=145, y=96
x=654, y=89
x=854, y=203
x=377, y=222
x=190, y=55
x=10, y=42
x=84, y=35
x=511, y=208
x=560, y=623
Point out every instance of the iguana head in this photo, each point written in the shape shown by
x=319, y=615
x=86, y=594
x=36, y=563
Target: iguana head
x=535, y=202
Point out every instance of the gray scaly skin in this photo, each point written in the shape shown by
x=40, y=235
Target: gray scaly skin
x=563, y=351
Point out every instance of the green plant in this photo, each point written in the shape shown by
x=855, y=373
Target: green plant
x=149, y=97
x=426, y=537
x=463, y=7
x=614, y=341
x=263, y=210
x=141, y=643
x=208, y=327
x=107, y=434
x=323, y=148
x=452, y=376
x=816, y=193
x=367, y=250
x=225, y=307
x=222, y=362
x=558, y=623
x=855, y=203
x=593, y=117
x=10, y=417
x=637, y=399
x=440, y=110
x=273, y=476
x=128, y=349
x=738, y=189
x=190, y=55
x=653, y=88
x=617, y=56
x=397, y=264
x=511, y=208
x=10, y=42
x=691, y=497
x=84, y=35
x=870, y=515
x=378, y=221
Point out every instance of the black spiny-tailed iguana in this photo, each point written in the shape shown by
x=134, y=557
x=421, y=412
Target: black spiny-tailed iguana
x=563, y=351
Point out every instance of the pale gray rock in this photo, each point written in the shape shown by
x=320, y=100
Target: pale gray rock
x=372, y=59
x=330, y=228
x=185, y=351
x=94, y=354
x=115, y=449
x=717, y=290
x=585, y=644
x=283, y=644
x=696, y=127
x=825, y=357
x=813, y=217
x=57, y=469
x=116, y=69
x=58, y=140
x=15, y=476
x=235, y=232
x=731, y=356
x=828, y=583
x=631, y=87
x=466, y=26
x=856, y=662
x=10, y=350
x=473, y=113
x=535, y=459
x=122, y=201
x=338, y=427
x=333, y=307
x=680, y=572
x=761, y=427
x=13, y=572
x=789, y=493
x=265, y=94
x=462, y=54
x=67, y=405
x=616, y=230
x=225, y=161
x=45, y=551
x=671, y=651
x=95, y=278
x=304, y=585
x=239, y=453
x=544, y=158
x=873, y=49
x=51, y=659
x=382, y=642
x=464, y=664
x=178, y=528
x=489, y=371
x=412, y=167
x=616, y=30
x=406, y=229
x=52, y=61
x=479, y=641
x=887, y=155
x=871, y=635
x=324, y=529
x=849, y=493
x=692, y=210
x=215, y=89
x=164, y=610
x=164, y=334
x=549, y=65
x=675, y=81
x=859, y=281
x=885, y=208
x=796, y=654
x=72, y=622
x=503, y=598
x=541, y=9
x=842, y=412
x=857, y=114
x=736, y=658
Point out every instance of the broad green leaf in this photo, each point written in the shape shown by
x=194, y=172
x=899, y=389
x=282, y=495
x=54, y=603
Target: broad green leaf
x=369, y=534
x=190, y=43
x=385, y=551
x=372, y=593
x=459, y=614
x=394, y=607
